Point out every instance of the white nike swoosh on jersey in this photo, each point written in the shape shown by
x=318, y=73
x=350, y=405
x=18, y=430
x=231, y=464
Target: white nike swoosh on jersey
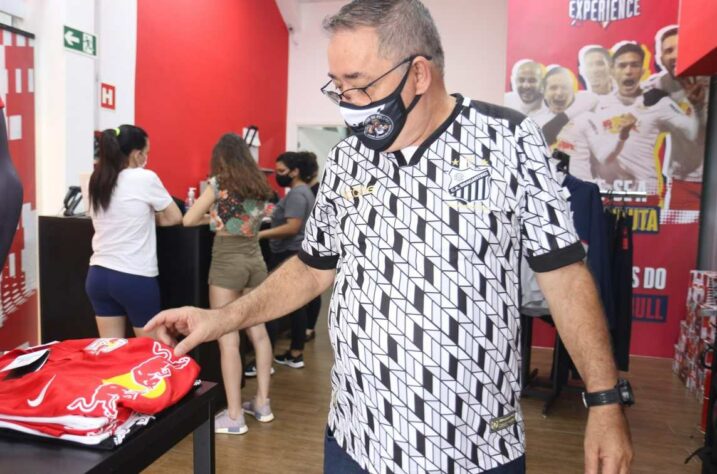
x=37, y=401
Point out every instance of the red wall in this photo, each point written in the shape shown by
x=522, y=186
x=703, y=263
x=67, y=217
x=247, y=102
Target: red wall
x=698, y=38
x=203, y=69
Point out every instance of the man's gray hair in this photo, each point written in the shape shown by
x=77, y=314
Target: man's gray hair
x=404, y=27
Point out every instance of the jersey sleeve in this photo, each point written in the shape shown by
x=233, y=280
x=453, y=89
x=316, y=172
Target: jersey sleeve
x=320, y=247
x=157, y=195
x=549, y=237
x=674, y=120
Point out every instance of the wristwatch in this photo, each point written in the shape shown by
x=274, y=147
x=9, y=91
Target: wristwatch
x=622, y=394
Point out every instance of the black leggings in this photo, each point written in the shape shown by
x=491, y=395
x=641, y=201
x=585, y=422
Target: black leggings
x=313, y=308
x=298, y=317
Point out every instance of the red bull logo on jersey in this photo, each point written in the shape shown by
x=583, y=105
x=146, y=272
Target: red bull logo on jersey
x=105, y=345
x=686, y=107
x=148, y=380
x=565, y=146
x=602, y=11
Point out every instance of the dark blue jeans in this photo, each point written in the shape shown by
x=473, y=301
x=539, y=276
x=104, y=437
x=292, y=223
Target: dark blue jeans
x=337, y=461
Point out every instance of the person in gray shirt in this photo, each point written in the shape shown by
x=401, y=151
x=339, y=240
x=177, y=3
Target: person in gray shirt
x=293, y=170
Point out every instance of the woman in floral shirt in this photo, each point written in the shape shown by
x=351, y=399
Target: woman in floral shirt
x=237, y=200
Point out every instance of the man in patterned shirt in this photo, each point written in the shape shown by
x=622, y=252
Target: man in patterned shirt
x=417, y=226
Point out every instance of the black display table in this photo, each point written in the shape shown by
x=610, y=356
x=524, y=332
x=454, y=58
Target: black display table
x=193, y=414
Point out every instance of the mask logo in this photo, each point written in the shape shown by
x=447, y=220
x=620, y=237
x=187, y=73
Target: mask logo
x=377, y=126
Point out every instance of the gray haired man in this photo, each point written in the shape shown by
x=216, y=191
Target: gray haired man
x=417, y=225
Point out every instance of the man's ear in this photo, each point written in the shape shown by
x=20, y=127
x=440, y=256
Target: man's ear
x=422, y=72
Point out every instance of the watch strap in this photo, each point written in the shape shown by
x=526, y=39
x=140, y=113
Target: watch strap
x=607, y=397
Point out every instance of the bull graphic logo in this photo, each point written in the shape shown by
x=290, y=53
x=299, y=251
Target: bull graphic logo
x=105, y=345
x=145, y=380
x=470, y=184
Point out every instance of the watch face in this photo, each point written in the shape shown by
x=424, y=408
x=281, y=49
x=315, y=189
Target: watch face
x=625, y=391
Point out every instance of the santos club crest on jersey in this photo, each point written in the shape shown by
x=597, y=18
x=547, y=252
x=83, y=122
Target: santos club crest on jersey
x=470, y=183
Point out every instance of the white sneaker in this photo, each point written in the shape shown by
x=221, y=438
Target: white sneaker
x=224, y=424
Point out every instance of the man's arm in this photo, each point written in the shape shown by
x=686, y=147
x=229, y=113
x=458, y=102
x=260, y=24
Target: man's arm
x=289, y=287
x=578, y=315
x=606, y=148
x=673, y=119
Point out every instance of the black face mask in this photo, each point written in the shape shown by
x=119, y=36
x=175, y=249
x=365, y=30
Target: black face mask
x=283, y=180
x=378, y=124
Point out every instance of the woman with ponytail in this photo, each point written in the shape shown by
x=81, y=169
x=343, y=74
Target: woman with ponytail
x=126, y=201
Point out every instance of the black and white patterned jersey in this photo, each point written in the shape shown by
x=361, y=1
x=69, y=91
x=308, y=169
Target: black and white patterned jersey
x=424, y=316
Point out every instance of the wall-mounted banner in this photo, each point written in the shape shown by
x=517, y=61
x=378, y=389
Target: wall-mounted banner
x=18, y=277
x=598, y=77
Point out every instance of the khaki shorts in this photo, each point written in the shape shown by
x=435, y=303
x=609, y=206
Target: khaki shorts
x=237, y=263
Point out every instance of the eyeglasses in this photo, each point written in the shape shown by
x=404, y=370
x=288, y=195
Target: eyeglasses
x=359, y=95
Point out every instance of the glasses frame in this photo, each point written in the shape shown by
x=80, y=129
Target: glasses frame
x=337, y=97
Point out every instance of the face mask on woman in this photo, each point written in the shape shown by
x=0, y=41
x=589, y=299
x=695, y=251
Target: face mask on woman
x=283, y=180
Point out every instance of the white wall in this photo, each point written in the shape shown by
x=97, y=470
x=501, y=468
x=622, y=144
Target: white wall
x=80, y=96
x=67, y=86
x=45, y=19
x=16, y=8
x=117, y=58
x=474, y=35
x=319, y=140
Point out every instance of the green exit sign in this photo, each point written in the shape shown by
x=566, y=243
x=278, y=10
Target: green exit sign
x=80, y=41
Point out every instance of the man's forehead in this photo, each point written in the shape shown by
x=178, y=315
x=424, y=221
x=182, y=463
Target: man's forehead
x=353, y=53
x=670, y=41
x=561, y=78
x=628, y=58
x=529, y=70
x=595, y=56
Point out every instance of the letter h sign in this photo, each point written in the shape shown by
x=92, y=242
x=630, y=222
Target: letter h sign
x=107, y=96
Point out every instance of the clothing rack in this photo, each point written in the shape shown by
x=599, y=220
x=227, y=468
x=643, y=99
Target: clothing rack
x=562, y=370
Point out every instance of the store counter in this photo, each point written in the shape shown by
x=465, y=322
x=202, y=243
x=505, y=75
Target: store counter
x=65, y=246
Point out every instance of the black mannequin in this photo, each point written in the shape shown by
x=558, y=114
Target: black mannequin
x=10, y=192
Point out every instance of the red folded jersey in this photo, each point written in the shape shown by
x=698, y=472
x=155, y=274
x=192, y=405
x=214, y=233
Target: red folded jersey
x=110, y=434
x=97, y=378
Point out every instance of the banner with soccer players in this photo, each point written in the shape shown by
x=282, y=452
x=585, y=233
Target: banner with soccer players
x=598, y=77
x=19, y=277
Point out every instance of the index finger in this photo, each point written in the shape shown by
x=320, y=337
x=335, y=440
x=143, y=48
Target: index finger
x=163, y=335
x=610, y=465
x=157, y=321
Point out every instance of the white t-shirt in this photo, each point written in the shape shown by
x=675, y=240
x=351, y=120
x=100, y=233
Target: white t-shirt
x=125, y=238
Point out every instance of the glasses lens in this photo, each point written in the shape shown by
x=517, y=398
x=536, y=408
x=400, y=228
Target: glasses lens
x=334, y=96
